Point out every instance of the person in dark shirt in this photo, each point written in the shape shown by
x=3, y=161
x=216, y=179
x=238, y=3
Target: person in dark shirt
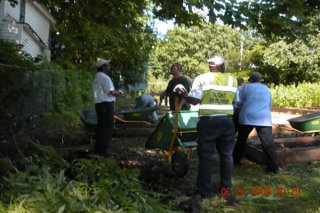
x=178, y=78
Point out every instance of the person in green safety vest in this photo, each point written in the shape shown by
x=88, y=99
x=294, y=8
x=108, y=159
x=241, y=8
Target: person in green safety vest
x=214, y=91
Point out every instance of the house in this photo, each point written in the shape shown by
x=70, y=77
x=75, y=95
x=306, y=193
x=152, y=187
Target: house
x=27, y=23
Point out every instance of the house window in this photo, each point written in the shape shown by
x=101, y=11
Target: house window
x=22, y=11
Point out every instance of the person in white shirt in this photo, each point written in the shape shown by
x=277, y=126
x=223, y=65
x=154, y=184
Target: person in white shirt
x=255, y=112
x=104, y=96
x=214, y=91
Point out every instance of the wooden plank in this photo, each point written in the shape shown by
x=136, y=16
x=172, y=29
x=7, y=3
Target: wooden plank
x=306, y=139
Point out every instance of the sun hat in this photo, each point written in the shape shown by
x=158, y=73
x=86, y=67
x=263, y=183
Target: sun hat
x=101, y=62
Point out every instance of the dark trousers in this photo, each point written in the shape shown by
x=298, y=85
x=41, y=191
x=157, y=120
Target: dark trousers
x=268, y=146
x=214, y=133
x=105, y=112
x=235, y=119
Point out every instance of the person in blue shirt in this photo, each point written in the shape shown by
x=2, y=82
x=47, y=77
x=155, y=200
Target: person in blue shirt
x=255, y=112
x=147, y=100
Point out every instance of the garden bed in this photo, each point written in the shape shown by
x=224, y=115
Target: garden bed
x=289, y=150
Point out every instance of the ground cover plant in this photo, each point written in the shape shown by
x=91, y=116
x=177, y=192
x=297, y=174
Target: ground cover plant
x=136, y=181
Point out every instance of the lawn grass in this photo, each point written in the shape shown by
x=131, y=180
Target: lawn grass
x=294, y=189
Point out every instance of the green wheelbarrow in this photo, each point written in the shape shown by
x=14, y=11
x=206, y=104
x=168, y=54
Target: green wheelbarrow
x=176, y=136
x=134, y=118
x=304, y=124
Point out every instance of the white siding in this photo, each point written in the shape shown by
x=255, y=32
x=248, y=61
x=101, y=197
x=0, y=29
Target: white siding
x=5, y=33
x=36, y=16
x=39, y=23
x=1, y=10
x=30, y=45
x=12, y=12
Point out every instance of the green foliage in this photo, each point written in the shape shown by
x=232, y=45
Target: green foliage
x=270, y=18
x=304, y=95
x=5, y=166
x=192, y=46
x=11, y=53
x=156, y=84
x=288, y=63
x=116, y=30
x=15, y=84
x=95, y=186
x=71, y=86
x=241, y=74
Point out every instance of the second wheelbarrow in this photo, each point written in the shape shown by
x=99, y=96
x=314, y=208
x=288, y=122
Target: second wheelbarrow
x=134, y=118
x=304, y=124
x=176, y=136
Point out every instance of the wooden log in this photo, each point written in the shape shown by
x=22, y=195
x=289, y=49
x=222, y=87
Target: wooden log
x=298, y=154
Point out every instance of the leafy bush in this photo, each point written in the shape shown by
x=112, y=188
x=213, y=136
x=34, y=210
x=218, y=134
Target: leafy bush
x=90, y=186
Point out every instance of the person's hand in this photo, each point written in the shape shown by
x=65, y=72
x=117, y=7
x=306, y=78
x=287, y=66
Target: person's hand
x=122, y=93
x=180, y=90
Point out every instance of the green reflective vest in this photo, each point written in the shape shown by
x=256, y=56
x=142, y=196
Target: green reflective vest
x=218, y=95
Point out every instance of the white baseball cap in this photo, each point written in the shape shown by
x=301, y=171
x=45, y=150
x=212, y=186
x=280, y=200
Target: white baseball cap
x=217, y=60
x=101, y=62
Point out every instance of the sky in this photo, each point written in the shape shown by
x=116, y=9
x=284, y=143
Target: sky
x=162, y=27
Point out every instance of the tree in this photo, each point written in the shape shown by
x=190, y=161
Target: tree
x=282, y=62
x=109, y=29
x=192, y=46
x=119, y=29
x=271, y=18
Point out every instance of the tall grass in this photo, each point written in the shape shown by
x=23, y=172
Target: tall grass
x=305, y=95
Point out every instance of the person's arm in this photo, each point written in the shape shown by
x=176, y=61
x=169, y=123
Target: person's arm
x=192, y=100
x=181, y=90
x=161, y=94
x=239, y=99
x=108, y=86
x=116, y=93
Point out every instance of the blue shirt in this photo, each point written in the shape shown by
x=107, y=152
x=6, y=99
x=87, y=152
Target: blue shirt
x=255, y=105
x=144, y=100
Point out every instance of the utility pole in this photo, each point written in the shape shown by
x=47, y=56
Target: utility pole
x=241, y=50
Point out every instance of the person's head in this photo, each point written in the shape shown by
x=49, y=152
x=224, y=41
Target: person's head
x=240, y=82
x=255, y=77
x=216, y=63
x=103, y=65
x=176, y=70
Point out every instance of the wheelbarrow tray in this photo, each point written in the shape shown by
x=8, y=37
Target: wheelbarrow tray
x=138, y=114
x=186, y=132
x=307, y=122
x=89, y=120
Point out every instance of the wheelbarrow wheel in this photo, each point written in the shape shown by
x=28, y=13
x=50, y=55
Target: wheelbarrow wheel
x=180, y=165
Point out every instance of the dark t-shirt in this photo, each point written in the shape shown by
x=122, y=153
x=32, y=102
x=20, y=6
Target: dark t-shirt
x=169, y=91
